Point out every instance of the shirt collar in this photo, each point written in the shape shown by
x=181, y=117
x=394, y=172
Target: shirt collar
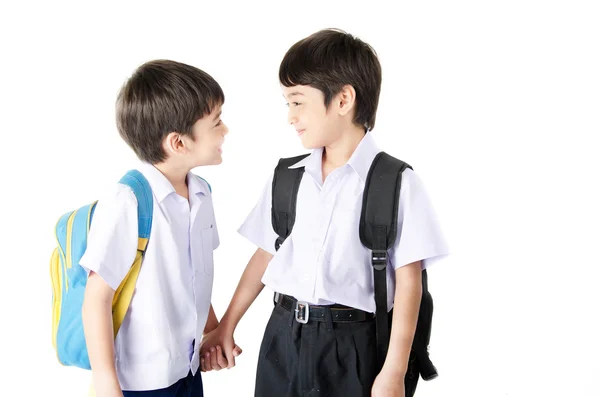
x=363, y=156
x=162, y=187
x=312, y=164
x=360, y=161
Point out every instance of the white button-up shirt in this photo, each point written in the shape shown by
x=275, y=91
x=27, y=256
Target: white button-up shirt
x=323, y=260
x=169, y=309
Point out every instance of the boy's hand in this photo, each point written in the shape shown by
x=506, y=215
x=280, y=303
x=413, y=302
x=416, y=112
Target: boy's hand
x=388, y=383
x=218, y=350
x=213, y=360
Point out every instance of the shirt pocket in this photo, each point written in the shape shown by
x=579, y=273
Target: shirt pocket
x=207, y=250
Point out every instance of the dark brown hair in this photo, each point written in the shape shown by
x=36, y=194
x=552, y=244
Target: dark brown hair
x=330, y=59
x=161, y=97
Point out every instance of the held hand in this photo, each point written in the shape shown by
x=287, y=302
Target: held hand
x=218, y=350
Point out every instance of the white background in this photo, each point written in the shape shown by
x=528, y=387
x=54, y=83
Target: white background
x=494, y=103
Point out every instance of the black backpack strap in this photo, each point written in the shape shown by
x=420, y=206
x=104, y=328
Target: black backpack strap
x=423, y=333
x=378, y=229
x=286, y=182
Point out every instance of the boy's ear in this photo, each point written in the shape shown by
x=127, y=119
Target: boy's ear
x=173, y=144
x=346, y=99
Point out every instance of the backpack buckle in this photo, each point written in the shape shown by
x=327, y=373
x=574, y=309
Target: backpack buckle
x=278, y=243
x=379, y=259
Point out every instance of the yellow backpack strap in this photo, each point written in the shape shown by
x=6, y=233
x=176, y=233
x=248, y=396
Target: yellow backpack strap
x=143, y=193
x=122, y=298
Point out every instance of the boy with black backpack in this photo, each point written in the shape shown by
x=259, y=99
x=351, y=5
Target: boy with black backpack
x=342, y=235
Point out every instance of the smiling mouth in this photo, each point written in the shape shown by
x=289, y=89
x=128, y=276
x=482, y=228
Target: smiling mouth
x=300, y=132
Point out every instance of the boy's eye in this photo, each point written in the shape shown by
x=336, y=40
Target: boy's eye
x=219, y=123
x=293, y=103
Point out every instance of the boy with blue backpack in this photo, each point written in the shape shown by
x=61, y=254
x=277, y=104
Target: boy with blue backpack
x=344, y=236
x=132, y=275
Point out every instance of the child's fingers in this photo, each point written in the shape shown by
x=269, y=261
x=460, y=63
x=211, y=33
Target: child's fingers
x=208, y=362
x=221, y=360
x=230, y=358
x=237, y=351
x=214, y=362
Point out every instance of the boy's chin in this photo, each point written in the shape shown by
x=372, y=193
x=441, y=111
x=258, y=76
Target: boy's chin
x=310, y=145
x=214, y=161
x=217, y=159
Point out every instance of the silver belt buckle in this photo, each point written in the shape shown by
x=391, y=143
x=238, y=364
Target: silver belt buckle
x=302, y=312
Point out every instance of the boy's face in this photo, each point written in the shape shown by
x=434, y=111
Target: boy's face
x=209, y=134
x=315, y=125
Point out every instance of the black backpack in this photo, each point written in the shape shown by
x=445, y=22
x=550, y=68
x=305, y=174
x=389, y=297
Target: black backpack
x=378, y=224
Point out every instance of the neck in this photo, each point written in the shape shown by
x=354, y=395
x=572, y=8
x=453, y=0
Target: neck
x=339, y=152
x=176, y=174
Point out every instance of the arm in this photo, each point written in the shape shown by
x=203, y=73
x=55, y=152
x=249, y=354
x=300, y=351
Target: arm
x=406, y=312
x=248, y=288
x=211, y=322
x=99, y=335
x=407, y=298
x=258, y=229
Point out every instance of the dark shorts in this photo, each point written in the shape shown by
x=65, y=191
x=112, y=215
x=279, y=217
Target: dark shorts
x=318, y=359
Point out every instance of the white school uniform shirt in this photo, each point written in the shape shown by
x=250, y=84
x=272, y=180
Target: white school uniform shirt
x=170, y=306
x=323, y=261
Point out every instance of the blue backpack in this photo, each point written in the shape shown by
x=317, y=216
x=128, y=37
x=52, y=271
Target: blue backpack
x=69, y=278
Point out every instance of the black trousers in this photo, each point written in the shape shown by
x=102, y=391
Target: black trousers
x=319, y=359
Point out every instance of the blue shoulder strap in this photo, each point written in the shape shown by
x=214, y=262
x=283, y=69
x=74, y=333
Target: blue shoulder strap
x=209, y=187
x=143, y=193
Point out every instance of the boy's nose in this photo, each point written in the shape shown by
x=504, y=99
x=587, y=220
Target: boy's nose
x=292, y=119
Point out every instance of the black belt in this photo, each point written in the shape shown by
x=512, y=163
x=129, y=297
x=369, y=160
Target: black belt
x=305, y=312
